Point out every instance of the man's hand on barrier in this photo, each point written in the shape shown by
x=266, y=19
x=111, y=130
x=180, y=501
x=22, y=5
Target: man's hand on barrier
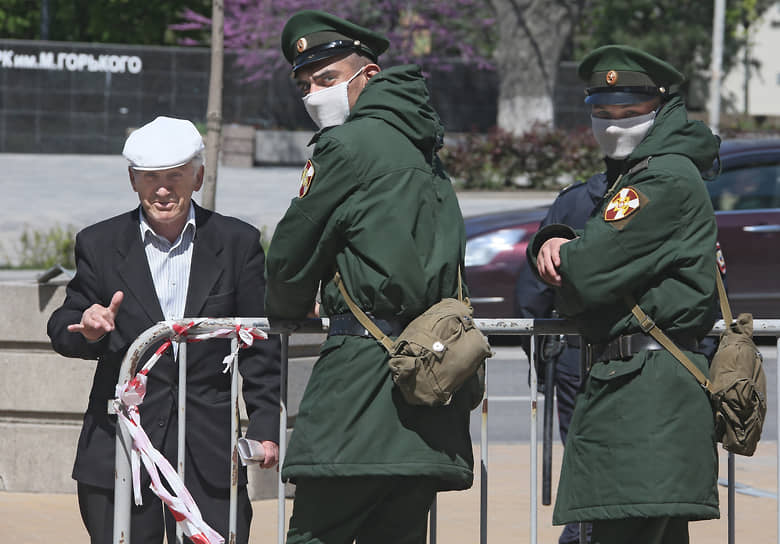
x=549, y=259
x=271, y=454
x=265, y=453
x=97, y=320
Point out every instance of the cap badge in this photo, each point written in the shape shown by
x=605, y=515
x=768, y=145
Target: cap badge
x=307, y=177
x=301, y=45
x=612, y=77
x=622, y=204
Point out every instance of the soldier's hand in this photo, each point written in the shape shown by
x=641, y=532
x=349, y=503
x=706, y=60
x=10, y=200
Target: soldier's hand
x=549, y=259
x=271, y=454
x=97, y=320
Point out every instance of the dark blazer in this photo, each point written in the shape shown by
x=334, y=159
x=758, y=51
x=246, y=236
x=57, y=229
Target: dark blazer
x=226, y=279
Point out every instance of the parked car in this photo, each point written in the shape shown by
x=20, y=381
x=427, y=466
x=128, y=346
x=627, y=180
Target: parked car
x=746, y=199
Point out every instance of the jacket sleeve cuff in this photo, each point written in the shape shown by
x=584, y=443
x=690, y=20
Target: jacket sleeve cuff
x=555, y=230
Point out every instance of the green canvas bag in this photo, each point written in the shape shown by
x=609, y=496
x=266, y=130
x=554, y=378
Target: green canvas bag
x=437, y=354
x=737, y=384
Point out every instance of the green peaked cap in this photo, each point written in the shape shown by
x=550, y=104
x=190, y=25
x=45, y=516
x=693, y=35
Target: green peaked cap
x=312, y=35
x=619, y=74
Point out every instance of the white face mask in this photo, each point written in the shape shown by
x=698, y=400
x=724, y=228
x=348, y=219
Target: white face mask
x=619, y=137
x=329, y=107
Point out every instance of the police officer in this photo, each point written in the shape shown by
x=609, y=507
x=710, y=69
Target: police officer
x=640, y=459
x=573, y=206
x=375, y=204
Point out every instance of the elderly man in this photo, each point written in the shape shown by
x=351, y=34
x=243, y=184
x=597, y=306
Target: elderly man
x=167, y=259
x=640, y=459
x=376, y=205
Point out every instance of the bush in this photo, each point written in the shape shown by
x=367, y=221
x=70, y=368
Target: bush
x=43, y=249
x=542, y=158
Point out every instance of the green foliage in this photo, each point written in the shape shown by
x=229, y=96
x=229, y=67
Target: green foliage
x=15, y=19
x=43, y=249
x=106, y=21
x=678, y=31
x=542, y=158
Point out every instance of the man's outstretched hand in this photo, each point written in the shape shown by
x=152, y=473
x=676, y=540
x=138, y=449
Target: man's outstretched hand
x=97, y=320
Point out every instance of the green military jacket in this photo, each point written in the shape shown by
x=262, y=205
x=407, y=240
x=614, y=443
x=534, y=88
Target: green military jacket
x=376, y=204
x=641, y=441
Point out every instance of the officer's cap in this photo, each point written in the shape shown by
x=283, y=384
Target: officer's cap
x=163, y=143
x=619, y=74
x=312, y=35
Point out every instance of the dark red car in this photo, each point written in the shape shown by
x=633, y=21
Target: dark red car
x=746, y=199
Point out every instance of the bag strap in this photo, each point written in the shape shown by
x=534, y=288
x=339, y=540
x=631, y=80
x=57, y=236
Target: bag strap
x=460, y=286
x=725, y=311
x=364, y=320
x=649, y=327
x=361, y=316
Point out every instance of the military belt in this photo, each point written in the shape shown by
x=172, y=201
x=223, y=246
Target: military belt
x=347, y=324
x=628, y=345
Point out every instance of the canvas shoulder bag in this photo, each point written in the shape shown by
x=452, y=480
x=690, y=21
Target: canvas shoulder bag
x=437, y=354
x=737, y=384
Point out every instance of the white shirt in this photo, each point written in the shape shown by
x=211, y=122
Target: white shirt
x=170, y=264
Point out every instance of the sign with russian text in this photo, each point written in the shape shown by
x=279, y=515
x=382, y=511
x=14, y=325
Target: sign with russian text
x=71, y=62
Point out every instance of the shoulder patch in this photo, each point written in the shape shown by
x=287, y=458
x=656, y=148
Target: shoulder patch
x=622, y=204
x=307, y=178
x=720, y=259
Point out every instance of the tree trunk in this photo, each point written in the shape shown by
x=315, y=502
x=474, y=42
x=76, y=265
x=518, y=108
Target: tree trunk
x=532, y=35
x=214, y=108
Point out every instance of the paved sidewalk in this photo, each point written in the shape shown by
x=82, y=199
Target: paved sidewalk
x=27, y=518
x=43, y=191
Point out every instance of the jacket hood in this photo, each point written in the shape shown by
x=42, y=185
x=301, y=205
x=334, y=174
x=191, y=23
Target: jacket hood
x=673, y=133
x=399, y=97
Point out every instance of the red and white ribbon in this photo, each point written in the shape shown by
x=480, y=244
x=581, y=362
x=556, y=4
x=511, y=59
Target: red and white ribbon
x=131, y=394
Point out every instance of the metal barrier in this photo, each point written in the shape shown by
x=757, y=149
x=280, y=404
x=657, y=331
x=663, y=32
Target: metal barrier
x=527, y=327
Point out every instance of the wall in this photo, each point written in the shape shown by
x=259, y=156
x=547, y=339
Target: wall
x=764, y=79
x=62, y=97
x=43, y=395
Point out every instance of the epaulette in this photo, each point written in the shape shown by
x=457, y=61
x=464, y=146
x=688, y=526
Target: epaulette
x=638, y=167
x=571, y=186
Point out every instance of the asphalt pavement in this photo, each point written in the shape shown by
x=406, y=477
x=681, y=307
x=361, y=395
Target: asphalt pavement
x=28, y=518
x=42, y=191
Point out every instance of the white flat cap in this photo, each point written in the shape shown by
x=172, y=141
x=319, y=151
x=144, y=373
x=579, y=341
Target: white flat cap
x=164, y=143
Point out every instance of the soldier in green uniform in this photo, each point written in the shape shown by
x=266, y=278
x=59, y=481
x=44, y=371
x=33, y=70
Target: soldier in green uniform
x=640, y=459
x=376, y=205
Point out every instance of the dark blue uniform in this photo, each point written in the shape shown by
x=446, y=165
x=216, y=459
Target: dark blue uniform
x=573, y=206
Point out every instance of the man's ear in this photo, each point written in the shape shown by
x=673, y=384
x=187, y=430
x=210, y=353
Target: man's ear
x=132, y=178
x=199, y=178
x=371, y=70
